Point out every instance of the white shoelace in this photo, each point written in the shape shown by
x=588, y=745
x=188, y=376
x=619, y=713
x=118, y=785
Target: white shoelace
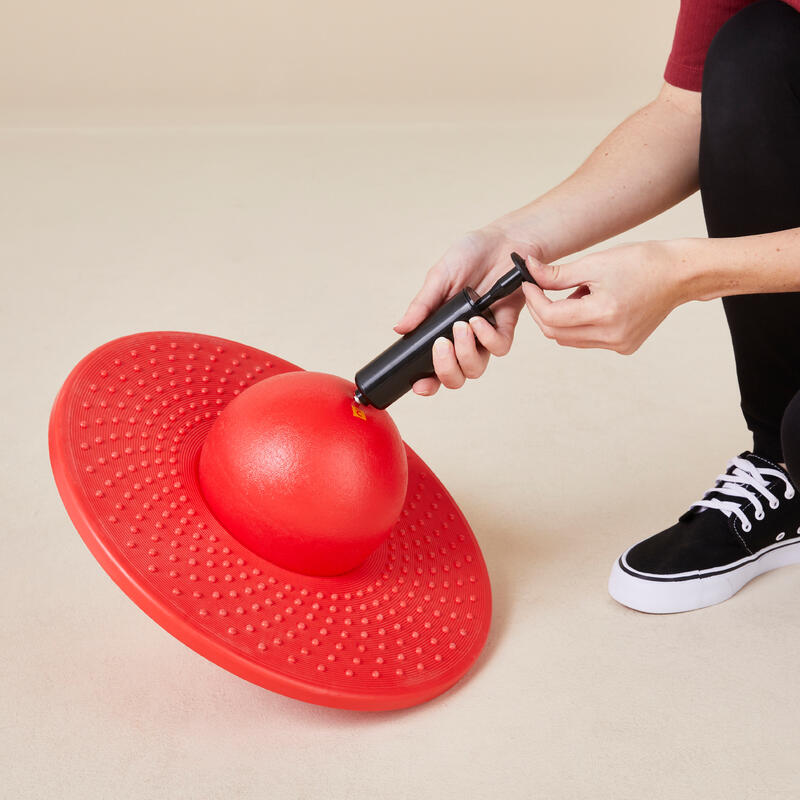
x=744, y=474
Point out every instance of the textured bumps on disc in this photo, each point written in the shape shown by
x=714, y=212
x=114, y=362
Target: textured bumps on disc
x=302, y=475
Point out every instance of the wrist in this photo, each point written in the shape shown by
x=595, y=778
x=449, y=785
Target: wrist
x=523, y=233
x=711, y=268
x=697, y=275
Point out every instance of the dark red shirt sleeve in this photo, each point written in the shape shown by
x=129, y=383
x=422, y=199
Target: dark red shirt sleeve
x=698, y=21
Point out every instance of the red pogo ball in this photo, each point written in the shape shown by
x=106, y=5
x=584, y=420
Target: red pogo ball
x=304, y=476
x=127, y=432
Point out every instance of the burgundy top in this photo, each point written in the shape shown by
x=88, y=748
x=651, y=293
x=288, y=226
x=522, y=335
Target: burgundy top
x=698, y=21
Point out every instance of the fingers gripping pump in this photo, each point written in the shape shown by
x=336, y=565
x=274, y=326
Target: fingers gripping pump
x=391, y=374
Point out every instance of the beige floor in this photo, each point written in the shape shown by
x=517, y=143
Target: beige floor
x=308, y=241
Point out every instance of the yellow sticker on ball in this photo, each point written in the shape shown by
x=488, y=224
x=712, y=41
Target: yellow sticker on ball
x=358, y=412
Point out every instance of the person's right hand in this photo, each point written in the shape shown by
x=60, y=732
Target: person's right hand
x=476, y=260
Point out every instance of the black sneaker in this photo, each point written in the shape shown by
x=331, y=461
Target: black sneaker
x=747, y=524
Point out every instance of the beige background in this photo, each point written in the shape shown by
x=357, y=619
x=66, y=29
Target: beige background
x=255, y=60
x=283, y=176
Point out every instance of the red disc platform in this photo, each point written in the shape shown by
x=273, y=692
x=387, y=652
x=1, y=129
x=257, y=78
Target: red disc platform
x=126, y=432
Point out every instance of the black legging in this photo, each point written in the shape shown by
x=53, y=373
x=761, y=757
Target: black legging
x=750, y=183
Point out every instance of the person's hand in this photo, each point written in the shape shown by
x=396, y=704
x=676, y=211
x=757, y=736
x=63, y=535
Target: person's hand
x=477, y=260
x=620, y=295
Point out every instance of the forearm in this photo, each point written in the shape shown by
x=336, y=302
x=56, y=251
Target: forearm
x=759, y=264
x=646, y=165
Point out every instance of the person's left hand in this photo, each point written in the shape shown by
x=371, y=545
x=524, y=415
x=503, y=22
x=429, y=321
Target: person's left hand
x=621, y=295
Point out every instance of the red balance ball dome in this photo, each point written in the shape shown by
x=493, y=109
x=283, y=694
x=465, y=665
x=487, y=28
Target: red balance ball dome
x=302, y=475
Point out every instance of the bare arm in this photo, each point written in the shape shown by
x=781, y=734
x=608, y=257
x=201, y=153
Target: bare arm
x=622, y=294
x=643, y=167
x=646, y=165
x=757, y=264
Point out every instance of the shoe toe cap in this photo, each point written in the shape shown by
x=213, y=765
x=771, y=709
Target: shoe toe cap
x=686, y=547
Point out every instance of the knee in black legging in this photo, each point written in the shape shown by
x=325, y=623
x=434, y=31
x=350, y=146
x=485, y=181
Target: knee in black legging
x=790, y=438
x=752, y=62
x=750, y=115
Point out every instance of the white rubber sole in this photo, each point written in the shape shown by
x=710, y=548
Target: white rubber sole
x=686, y=591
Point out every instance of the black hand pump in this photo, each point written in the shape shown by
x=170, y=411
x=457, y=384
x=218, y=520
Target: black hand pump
x=391, y=374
